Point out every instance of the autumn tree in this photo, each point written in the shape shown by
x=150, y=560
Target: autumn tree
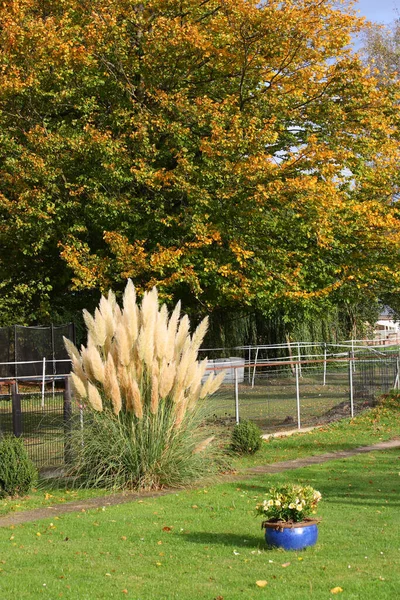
x=234, y=153
x=381, y=48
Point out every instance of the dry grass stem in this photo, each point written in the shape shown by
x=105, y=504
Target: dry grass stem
x=154, y=395
x=203, y=445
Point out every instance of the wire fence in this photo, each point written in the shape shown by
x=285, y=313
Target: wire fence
x=278, y=394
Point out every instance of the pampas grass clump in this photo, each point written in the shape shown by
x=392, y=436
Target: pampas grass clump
x=141, y=382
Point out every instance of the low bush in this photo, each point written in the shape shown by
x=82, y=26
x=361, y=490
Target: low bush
x=246, y=438
x=17, y=472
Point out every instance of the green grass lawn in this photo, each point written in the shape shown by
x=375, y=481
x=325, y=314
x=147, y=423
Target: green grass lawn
x=378, y=424
x=206, y=544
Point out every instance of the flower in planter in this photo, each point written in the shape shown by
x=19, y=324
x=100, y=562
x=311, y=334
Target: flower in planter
x=289, y=503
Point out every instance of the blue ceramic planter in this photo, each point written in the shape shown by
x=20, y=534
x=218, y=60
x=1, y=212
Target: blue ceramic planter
x=295, y=537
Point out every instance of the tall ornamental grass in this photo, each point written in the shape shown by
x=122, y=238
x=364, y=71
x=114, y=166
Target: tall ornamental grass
x=143, y=391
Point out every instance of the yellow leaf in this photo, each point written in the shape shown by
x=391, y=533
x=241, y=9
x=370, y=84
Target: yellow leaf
x=261, y=583
x=336, y=590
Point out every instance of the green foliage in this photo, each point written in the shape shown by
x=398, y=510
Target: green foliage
x=17, y=472
x=126, y=453
x=235, y=153
x=290, y=502
x=246, y=438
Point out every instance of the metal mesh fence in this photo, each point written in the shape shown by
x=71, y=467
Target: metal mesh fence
x=22, y=350
x=277, y=396
x=287, y=395
x=40, y=420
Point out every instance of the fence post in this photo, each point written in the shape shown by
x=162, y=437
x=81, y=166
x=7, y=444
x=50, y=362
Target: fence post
x=255, y=367
x=351, y=384
x=67, y=422
x=16, y=411
x=299, y=358
x=396, y=381
x=43, y=379
x=237, y=416
x=324, y=382
x=298, y=396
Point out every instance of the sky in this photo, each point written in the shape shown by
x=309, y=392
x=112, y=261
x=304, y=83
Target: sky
x=381, y=11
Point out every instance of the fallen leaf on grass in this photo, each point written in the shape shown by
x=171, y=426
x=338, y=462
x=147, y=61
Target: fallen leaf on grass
x=336, y=590
x=261, y=583
x=286, y=564
x=166, y=528
x=124, y=591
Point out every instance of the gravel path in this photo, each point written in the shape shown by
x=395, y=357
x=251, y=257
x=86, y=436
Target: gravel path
x=122, y=498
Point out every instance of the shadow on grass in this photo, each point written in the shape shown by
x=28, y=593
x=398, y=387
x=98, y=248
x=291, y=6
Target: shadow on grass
x=227, y=539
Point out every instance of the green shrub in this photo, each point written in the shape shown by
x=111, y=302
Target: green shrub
x=17, y=472
x=246, y=438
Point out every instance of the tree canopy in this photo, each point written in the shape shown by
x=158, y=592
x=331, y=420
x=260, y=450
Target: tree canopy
x=233, y=153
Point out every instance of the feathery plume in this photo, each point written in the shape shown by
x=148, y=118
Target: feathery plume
x=89, y=322
x=100, y=328
x=166, y=381
x=111, y=387
x=96, y=364
x=106, y=311
x=216, y=383
x=79, y=386
x=77, y=368
x=161, y=332
x=181, y=336
x=199, y=334
x=134, y=399
x=71, y=348
x=87, y=363
x=206, y=386
x=130, y=313
x=149, y=307
x=123, y=346
x=172, y=327
x=94, y=397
